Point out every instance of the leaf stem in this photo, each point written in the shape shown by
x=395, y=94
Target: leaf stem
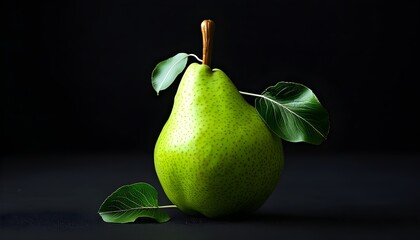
x=251, y=94
x=207, y=30
x=193, y=55
x=168, y=206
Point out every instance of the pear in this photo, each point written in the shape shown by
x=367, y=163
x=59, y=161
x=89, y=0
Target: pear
x=215, y=156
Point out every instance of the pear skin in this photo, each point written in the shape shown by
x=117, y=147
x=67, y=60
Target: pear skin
x=215, y=156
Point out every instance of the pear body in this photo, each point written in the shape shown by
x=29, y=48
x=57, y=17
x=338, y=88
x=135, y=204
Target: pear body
x=215, y=156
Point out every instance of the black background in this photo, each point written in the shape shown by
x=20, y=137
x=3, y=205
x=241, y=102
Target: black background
x=80, y=118
x=76, y=74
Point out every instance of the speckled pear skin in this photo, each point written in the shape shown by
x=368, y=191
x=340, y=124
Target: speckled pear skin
x=215, y=155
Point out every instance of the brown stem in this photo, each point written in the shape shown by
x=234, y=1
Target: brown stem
x=207, y=29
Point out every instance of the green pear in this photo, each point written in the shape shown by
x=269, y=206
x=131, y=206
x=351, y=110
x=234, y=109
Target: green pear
x=215, y=155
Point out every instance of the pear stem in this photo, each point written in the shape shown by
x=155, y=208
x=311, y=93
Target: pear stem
x=207, y=29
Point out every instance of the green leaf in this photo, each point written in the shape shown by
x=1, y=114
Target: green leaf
x=293, y=112
x=166, y=71
x=130, y=202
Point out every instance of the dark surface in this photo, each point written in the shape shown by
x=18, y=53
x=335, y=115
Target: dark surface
x=357, y=196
